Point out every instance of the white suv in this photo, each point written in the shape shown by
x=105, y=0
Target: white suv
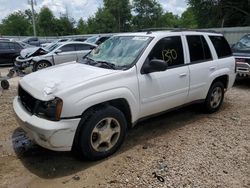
x=88, y=106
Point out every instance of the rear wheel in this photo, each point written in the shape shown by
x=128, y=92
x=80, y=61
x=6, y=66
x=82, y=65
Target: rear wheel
x=101, y=133
x=41, y=65
x=214, y=97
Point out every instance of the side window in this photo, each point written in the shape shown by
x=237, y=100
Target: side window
x=68, y=48
x=4, y=46
x=170, y=50
x=80, y=47
x=198, y=48
x=17, y=46
x=11, y=46
x=221, y=46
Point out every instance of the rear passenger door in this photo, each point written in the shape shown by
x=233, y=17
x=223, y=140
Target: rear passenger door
x=201, y=65
x=67, y=54
x=160, y=91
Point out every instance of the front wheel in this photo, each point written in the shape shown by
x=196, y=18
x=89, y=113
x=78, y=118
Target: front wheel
x=102, y=133
x=214, y=97
x=41, y=65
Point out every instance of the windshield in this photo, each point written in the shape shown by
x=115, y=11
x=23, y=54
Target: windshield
x=52, y=46
x=120, y=51
x=244, y=43
x=92, y=39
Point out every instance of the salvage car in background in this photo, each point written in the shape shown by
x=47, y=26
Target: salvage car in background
x=58, y=53
x=241, y=51
x=9, y=51
x=98, y=39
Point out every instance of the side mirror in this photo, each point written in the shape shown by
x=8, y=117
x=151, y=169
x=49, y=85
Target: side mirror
x=58, y=51
x=155, y=65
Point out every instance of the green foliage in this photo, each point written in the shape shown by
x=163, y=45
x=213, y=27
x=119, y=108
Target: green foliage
x=187, y=19
x=102, y=22
x=121, y=16
x=148, y=14
x=15, y=24
x=221, y=13
x=46, y=22
x=121, y=12
x=82, y=27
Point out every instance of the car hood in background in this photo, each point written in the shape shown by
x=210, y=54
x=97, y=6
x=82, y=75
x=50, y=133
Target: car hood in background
x=35, y=51
x=44, y=84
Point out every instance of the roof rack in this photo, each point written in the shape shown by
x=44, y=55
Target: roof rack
x=149, y=30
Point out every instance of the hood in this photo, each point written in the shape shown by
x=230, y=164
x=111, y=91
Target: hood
x=44, y=84
x=30, y=52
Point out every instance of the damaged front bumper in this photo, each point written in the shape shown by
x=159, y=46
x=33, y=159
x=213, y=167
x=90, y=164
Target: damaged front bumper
x=53, y=135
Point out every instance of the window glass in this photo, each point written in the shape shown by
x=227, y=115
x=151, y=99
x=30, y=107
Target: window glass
x=221, y=46
x=198, y=48
x=17, y=46
x=170, y=50
x=68, y=48
x=11, y=46
x=80, y=47
x=4, y=45
x=206, y=50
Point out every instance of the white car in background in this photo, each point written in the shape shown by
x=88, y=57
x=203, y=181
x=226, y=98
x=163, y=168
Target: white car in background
x=58, y=53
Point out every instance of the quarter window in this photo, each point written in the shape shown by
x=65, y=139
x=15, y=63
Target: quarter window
x=198, y=48
x=221, y=46
x=170, y=50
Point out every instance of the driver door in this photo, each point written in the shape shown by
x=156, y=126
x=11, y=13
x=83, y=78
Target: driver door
x=164, y=90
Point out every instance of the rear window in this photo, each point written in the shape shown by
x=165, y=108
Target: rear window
x=198, y=48
x=221, y=46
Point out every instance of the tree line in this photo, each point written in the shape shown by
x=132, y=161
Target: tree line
x=122, y=16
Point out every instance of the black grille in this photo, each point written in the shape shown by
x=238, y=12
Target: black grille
x=29, y=102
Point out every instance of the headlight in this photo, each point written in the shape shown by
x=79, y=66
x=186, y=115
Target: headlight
x=50, y=109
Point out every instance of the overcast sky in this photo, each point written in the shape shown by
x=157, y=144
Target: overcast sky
x=77, y=8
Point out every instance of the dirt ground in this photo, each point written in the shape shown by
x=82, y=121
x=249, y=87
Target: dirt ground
x=185, y=147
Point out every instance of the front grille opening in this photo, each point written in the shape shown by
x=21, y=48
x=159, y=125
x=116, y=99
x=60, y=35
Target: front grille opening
x=29, y=102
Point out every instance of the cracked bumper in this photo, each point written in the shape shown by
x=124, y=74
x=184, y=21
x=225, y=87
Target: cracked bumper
x=53, y=135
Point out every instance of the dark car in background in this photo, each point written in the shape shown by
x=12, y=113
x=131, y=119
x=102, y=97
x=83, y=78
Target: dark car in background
x=241, y=52
x=34, y=41
x=8, y=52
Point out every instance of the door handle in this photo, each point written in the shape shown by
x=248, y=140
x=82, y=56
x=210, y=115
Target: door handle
x=212, y=68
x=183, y=74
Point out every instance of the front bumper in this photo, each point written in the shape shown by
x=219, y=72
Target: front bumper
x=53, y=135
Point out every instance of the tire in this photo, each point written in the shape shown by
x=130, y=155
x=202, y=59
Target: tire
x=41, y=65
x=214, y=97
x=101, y=133
x=5, y=84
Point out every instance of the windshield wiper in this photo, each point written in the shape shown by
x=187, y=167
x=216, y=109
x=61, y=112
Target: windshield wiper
x=108, y=64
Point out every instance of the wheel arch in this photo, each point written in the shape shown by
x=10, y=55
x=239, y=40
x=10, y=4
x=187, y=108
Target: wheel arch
x=119, y=103
x=224, y=79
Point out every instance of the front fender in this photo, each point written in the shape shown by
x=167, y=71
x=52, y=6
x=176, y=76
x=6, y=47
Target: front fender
x=100, y=97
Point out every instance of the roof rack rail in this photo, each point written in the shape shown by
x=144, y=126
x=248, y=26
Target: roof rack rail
x=156, y=29
x=196, y=30
x=176, y=30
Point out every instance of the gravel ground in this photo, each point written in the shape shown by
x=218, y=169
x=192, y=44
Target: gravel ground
x=185, y=147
